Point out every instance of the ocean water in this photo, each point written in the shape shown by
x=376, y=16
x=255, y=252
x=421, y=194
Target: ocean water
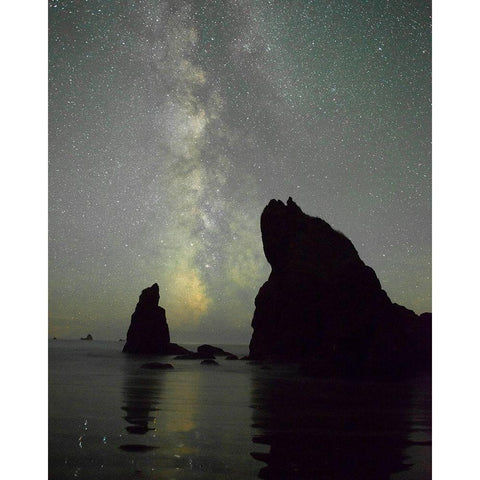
x=111, y=419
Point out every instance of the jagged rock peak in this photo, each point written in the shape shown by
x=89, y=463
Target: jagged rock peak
x=150, y=296
x=293, y=239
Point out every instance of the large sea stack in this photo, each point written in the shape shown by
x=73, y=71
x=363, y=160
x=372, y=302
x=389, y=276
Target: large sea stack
x=148, y=332
x=324, y=306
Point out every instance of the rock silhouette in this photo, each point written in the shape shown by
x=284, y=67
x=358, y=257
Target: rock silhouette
x=209, y=361
x=322, y=305
x=210, y=350
x=88, y=337
x=319, y=428
x=148, y=332
x=157, y=366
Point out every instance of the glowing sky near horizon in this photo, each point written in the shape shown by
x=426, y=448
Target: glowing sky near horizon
x=172, y=124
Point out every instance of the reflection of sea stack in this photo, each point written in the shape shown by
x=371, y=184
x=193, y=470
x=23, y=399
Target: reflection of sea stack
x=324, y=429
x=148, y=332
x=323, y=303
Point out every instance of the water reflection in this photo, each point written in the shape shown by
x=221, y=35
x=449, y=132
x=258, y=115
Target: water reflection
x=142, y=391
x=337, y=430
x=188, y=422
x=160, y=410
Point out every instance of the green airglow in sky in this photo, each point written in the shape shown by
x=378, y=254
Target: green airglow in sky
x=172, y=124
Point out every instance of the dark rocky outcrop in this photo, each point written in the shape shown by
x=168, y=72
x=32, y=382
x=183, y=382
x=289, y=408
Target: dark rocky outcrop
x=157, y=366
x=210, y=350
x=88, y=337
x=322, y=305
x=209, y=362
x=148, y=332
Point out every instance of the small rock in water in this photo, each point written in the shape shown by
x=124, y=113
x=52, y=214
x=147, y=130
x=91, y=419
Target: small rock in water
x=195, y=356
x=209, y=362
x=210, y=350
x=157, y=366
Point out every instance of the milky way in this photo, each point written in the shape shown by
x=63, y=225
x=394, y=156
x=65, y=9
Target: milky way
x=172, y=124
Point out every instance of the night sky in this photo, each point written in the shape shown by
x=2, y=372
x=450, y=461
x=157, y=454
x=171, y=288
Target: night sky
x=172, y=124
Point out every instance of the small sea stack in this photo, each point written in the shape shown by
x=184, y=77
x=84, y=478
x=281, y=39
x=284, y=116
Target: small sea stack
x=148, y=332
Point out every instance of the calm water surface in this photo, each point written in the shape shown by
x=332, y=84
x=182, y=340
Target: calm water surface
x=111, y=419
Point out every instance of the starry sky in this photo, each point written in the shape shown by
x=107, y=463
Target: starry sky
x=172, y=124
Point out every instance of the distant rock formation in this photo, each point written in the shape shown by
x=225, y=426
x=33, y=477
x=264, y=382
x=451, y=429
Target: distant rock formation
x=148, y=332
x=323, y=305
x=88, y=337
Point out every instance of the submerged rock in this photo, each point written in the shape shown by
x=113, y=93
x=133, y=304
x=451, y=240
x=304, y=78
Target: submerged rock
x=209, y=362
x=148, y=332
x=322, y=304
x=157, y=366
x=195, y=356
